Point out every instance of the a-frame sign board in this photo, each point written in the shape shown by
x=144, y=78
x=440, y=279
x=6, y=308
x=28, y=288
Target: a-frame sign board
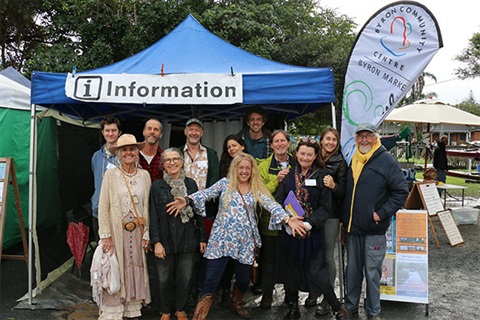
x=425, y=195
x=8, y=178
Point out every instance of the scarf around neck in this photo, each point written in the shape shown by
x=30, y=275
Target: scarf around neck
x=179, y=189
x=359, y=160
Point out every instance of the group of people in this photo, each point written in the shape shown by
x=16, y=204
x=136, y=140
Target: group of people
x=208, y=221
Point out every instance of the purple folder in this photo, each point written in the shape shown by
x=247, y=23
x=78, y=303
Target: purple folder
x=292, y=206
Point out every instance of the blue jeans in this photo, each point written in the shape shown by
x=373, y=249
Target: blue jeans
x=175, y=279
x=365, y=254
x=213, y=273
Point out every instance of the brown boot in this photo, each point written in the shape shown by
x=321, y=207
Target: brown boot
x=203, y=306
x=237, y=304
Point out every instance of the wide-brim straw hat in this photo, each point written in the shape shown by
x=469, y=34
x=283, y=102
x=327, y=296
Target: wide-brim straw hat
x=127, y=139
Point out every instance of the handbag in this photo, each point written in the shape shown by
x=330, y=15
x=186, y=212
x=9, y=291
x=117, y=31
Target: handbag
x=140, y=221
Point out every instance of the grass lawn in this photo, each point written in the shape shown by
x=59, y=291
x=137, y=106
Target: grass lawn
x=473, y=189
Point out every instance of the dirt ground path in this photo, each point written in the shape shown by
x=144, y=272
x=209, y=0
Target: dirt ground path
x=454, y=290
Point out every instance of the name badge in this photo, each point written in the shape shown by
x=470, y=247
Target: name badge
x=110, y=166
x=135, y=199
x=310, y=182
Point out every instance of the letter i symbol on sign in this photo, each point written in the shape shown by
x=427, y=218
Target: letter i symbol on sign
x=87, y=88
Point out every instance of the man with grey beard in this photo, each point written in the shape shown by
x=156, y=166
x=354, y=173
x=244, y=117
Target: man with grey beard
x=375, y=191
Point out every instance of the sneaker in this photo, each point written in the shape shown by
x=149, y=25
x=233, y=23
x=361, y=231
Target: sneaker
x=311, y=301
x=375, y=317
x=322, y=309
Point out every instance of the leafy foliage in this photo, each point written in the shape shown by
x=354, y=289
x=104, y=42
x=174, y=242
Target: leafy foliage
x=55, y=35
x=471, y=57
x=470, y=105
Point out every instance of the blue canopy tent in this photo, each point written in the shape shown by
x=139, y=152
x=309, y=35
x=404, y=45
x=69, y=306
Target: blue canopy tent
x=192, y=49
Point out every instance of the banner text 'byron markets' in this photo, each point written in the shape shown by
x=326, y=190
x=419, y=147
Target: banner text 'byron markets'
x=151, y=89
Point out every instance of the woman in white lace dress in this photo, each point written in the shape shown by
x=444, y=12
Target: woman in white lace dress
x=123, y=229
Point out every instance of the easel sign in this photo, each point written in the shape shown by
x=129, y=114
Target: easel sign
x=450, y=227
x=8, y=177
x=425, y=195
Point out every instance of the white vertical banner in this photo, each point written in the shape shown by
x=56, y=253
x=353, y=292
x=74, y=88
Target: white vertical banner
x=390, y=52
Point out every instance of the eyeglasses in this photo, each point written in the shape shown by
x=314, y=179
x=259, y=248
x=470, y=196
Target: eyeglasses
x=367, y=136
x=170, y=160
x=308, y=140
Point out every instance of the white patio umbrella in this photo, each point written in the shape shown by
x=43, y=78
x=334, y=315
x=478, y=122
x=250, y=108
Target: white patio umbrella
x=430, y=112
x=433, y=112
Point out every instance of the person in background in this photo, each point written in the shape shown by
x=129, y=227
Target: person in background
x=301, y=262
x=151, y=156
x=440, y=160
x=272, y=171
x=201, y=164
x=175, y=239
x=123, y=229
x=376, y=189
x=150, y=159
x=102, y=160
x=256, y=137
x=235, y=233
x=334, y=180
x=232, y=145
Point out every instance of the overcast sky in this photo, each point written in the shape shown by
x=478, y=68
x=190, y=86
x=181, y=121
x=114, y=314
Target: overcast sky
x=458, y=21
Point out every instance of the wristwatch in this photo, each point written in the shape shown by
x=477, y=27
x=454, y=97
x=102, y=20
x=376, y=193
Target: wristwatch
x=286, y=219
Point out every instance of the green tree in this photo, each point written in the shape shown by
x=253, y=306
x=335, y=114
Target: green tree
x=19, y=31
x=470, y=104
x=471, y=58
x=89, y=34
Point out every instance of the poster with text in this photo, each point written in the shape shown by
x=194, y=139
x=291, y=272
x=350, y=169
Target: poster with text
x=405, y=271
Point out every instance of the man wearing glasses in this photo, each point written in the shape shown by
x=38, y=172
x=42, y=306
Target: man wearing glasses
x=375, y=191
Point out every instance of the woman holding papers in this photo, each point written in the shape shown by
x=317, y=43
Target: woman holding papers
x=235, y=232
x=301, y=260
x=335, y=180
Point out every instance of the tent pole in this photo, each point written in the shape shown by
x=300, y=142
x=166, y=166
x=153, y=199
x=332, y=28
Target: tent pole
x=426, y=148
x=334, y=116
x=30, y=201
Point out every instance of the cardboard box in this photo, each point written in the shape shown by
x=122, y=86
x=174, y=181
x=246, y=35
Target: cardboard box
x=465, y=215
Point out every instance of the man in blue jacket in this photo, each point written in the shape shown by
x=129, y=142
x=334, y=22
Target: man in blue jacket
x=102, y=160
x=376, y=190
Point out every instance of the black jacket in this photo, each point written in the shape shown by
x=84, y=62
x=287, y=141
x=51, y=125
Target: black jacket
x=169, y=230
x=337, y=168
x=381, y=187
x=320, y=197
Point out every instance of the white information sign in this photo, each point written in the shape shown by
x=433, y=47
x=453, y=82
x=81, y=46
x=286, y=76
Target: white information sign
x=155, y=88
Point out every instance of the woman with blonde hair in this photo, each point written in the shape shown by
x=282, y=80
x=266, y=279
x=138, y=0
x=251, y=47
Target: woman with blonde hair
x=235, y=232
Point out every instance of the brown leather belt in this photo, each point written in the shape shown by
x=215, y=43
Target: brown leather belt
x=130, y=226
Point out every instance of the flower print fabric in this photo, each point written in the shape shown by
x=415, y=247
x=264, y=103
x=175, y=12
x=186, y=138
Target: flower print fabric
x=233, y=232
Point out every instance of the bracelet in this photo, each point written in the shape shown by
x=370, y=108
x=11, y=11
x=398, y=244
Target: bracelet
x=188, y=200
x=286, y=219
